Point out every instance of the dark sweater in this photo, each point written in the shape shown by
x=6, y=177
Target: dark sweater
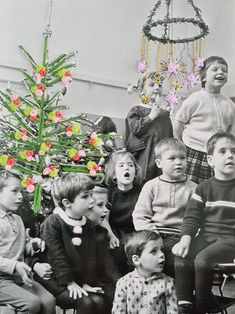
x=141, y=136
x=212, y=209
x=121, y=205
x=68, y=262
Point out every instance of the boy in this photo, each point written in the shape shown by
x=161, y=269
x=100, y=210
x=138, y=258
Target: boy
x=163, y=200
x=103, y=269
x=146, y=289
x=212, y=210
x=16, y=286
x=69, y=245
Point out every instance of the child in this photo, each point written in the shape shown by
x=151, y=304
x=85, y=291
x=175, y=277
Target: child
x=146, y=289
x=123, y=178
x=146, y=124
x=212, y=210
x=106, y=125
x=163, y=200
x=68, y=245
x=203, y=114
x=104, y=269
x=16, y=286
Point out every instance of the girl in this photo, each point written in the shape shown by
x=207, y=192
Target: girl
x=203, y=114
x=123, y=178
x=146, y=124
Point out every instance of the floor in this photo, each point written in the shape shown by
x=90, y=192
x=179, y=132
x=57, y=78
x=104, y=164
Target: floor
x=228, y=291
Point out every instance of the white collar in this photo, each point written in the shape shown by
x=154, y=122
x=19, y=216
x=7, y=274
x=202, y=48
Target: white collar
x=72, y=222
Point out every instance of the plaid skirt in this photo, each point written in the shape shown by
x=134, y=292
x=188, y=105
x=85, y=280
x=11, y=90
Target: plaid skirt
x=198, y=169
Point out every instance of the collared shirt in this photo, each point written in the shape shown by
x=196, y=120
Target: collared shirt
x=137, y=295
x=12, y=242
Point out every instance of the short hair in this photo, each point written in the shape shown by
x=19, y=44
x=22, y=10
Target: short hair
x=168, y=143
x=207, y=63
x=69, y=185
x=5, y=174
x=106, y=125
x=100, y=190
x=110, y=167
x=143, y=78
x=214, y=139
x=136, y=241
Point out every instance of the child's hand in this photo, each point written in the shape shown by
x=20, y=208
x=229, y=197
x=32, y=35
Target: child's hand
x=75, y=291
x=43, y=270
x=92, y=289
x=24, y=271
x=181, y=248
x=155, y=111
x=38, y=245
x=113, y=241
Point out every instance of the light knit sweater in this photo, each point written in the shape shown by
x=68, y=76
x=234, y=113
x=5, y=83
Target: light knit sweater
x=203, y=115
x=138, y=295
x=161, y=205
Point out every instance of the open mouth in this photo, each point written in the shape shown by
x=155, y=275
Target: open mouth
x=126, y=174
x=229, y=164
x=219, y=78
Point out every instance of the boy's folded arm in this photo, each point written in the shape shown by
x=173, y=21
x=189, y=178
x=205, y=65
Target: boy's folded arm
x=7, y=265
x=142, y=214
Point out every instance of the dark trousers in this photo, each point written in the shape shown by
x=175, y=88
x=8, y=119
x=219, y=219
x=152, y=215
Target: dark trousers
x=93, y=303
x=195, y=272
x=169, y=240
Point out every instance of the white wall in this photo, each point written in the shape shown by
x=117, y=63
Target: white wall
x=106, y=34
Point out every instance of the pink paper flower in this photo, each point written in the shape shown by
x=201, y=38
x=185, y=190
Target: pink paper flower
x=172, y=68
x=171, y=98
x=38, y=93
x=30, y=188
x=46, y=171
x=37, y=77
x=93, y=135
x=66, y=80
x=199, y=62
x=141, y=66
x=193, y=79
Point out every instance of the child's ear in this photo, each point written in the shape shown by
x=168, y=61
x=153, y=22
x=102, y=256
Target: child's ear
x=210, y=161
x=135, y=260
x=66, y=202
x=158, y=162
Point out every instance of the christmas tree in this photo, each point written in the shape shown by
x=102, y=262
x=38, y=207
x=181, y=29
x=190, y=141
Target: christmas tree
x=37, y=139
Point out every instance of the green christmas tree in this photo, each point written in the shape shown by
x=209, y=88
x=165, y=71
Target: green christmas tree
x=37, y=139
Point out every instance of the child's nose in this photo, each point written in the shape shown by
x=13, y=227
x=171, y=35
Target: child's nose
x=229, y=154
x=178, y=161
x=20, y=196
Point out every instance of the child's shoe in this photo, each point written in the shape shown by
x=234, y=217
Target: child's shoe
x=186, y=309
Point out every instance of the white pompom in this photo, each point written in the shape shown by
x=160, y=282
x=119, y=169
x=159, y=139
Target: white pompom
x=77, y=230
x=76, y=241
